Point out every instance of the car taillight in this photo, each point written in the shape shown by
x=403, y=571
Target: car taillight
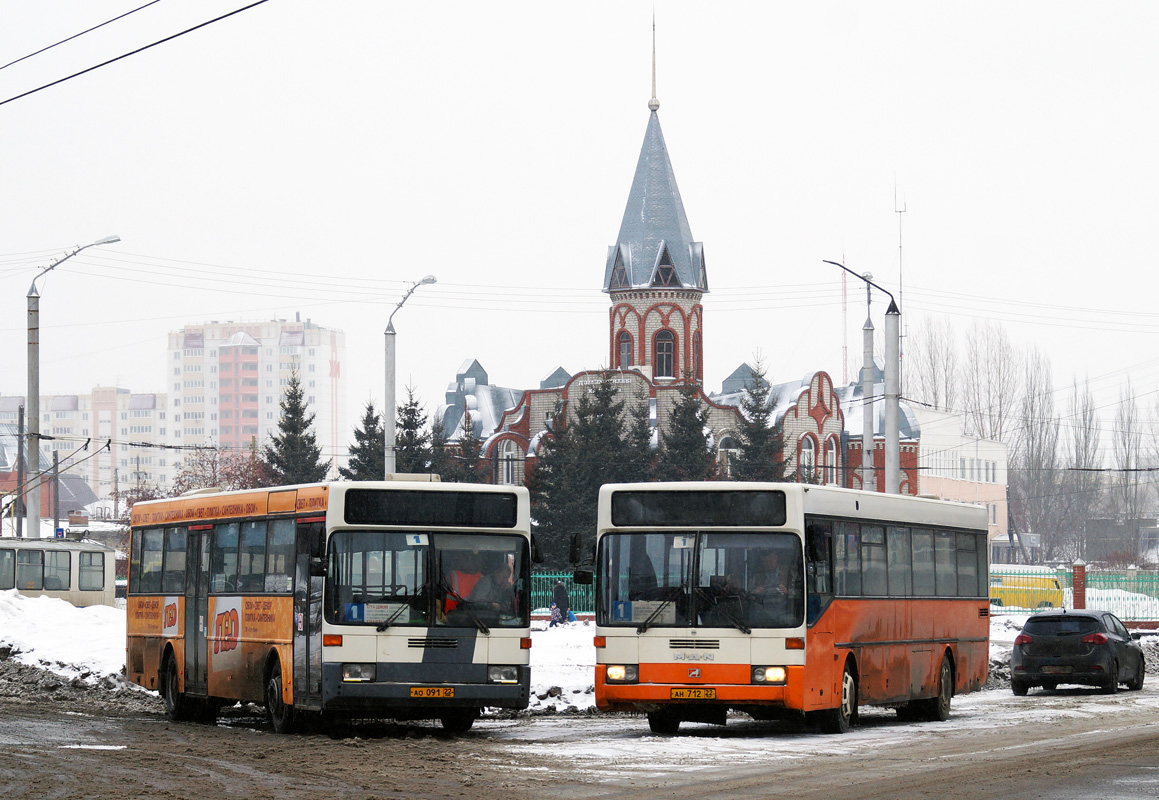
x=1022, y=638
x=1095, y=638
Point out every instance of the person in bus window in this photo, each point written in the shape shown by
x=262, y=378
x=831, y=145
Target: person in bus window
x=495, y=591
x=460, y=581
x=769, y=579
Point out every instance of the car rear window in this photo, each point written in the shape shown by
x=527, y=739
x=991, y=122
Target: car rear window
x=1061, y=626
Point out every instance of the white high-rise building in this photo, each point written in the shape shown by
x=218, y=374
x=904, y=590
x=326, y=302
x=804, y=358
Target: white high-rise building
x=226, y=381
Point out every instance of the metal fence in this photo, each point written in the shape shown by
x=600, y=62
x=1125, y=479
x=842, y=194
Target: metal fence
x=1132, y=595
x=543, y=586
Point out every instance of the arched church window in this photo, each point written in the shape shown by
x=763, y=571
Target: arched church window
x=697, y=357
x=831, y=475
x=664, y=362
x=727, y=452
x=624, y=350
x=807, y=464
x=510, y=463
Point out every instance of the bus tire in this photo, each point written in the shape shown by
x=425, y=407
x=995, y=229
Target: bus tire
x=841, y=719
x=664, y=723
x=937, y=708
x=178, y=707
x=458, y=721
x=281, y=716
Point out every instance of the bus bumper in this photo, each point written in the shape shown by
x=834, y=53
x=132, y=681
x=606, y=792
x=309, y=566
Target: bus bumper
x=414, y=688
x=654, y=696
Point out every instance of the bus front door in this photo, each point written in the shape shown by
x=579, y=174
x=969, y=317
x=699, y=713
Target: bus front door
x=308, y=619
x=197, y=610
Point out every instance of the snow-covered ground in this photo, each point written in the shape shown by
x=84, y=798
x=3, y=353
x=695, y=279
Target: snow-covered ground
x=89, y=643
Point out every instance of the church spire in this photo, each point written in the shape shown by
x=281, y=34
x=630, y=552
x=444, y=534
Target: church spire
x=653, y=104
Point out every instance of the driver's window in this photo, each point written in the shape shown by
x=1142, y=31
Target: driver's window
x=818, y=569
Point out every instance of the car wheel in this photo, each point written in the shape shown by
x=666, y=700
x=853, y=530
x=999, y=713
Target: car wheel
x=664, y=723
x=937, y=708
x=1136, y=683
x=459, y=721
x=1020, y=688
x=1112, y=684
x=841, y=719
x=177, y=705
x=281, y=715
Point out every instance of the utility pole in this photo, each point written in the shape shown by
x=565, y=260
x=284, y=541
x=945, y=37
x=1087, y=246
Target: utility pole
x=55, y=491
x=20, y=490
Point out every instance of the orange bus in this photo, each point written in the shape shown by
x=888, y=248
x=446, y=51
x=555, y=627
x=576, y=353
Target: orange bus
x=403, y=600
x=785, y=600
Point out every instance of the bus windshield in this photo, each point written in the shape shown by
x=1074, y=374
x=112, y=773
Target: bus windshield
x=386, y=578
x=686, y=579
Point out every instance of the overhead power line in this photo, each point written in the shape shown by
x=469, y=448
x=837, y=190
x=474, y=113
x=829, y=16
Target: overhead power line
x=78, y=35
x=132, y=53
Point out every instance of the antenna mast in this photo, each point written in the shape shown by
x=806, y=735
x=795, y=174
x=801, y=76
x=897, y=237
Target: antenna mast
x=899, y=210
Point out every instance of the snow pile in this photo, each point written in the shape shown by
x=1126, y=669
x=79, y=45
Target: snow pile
x=72, y=642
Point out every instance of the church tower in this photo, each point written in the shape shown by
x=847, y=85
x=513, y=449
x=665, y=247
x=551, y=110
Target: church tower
x=655, y=273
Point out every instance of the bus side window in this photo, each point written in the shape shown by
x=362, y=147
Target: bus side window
x=173, y=574
x=151, y=553
x=56, y=571
x=223, y=558
x=251, y=557
x=7, y=568
x=280, y=556
x=818, y=570
x=92, y=572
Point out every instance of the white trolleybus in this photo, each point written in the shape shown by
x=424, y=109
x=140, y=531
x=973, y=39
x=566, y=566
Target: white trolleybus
x=786, y=600
x=402, y=600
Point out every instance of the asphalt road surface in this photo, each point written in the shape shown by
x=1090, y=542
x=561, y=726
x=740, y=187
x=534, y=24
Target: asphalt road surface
x=1064, y=745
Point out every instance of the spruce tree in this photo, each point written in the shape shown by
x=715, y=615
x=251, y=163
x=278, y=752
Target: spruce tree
x=412, y=451
x=761, y=443
x=293, y=455
x=574, y=461
x=367, y=454
x=686, y=453
x=639, y=457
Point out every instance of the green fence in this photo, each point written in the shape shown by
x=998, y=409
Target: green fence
x=1132, y=594
x=543, y=586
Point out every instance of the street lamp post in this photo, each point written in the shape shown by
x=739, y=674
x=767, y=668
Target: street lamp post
x=389, y=412
x=32, y=402
x=892, y=393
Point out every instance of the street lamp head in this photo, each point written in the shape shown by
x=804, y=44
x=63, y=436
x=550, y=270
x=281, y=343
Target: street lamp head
x=428, y=280
x=108, y=240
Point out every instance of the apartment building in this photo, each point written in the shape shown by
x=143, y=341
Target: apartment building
x=226, y=381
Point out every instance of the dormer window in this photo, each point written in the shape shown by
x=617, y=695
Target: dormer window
x=665, y=271
x=619, y=273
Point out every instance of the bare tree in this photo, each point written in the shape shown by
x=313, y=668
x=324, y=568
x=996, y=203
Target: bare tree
x=1035, y=485
x=1127, y=455
x=932, y=368
x=1082, y=482
x=990, y=381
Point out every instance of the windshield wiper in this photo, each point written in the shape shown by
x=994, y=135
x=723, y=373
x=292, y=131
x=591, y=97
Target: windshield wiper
x=463, y=606
x=656, y=612
x=724, y=612
x=397, y=613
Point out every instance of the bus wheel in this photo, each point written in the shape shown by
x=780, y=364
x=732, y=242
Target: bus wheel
x=458, y=721
x=281, y=715
x=937, y=708
x=840, y=719
x=177, y=705
x=664, y=723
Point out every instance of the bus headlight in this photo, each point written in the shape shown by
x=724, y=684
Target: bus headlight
x=498, y=674
x=358, y=672
x=623, y=673
x=768, y=674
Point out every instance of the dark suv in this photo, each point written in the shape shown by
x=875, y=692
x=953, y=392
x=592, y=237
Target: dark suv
x=1087, y=647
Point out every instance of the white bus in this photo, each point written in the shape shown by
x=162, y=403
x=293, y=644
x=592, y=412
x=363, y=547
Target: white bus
x=83, y=573
x=786, y=600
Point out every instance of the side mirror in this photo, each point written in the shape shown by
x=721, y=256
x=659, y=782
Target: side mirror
x=317, y=568
x=536, y=553
x=576, y=547
x=582, y=577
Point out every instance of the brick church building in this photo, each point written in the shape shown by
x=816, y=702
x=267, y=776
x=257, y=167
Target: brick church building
x=655, y=277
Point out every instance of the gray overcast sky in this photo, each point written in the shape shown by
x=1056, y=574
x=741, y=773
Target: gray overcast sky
x=316, y=157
